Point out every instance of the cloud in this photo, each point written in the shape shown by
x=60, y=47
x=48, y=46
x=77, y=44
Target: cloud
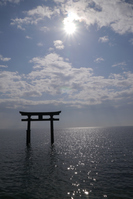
x=32, y=93
x=53, y=74
x=28, y=37
x=131, y=41
x=116, y=14
x=17, y=103
x=10, y=83
x=56, y=77
x=51, y=49
x=35, y=15
x=3, y=66
x=42, y=11
x=15, y=86
x=19, y=22
x=39, y=44
x=4, y=58
x=103, y=39
x=58, y=44
x=120, y=64
x=4, y=2
x=44, y=29
x=54, y=80
x=13, y=1
x=98, y=60
x=59, y=1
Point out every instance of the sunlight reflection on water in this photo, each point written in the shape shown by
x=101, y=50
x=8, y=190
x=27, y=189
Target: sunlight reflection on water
x=83, y=163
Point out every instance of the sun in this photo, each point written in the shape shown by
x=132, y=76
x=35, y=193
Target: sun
x=70, y=28
x=69, y=24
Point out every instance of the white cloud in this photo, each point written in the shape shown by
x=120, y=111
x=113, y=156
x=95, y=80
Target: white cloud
x=34, y=16
x=17, y=103
x=41, y=11
x=4, y=58
x=13, y=1
x=25, y=21
x=44, y=29
x=9, y=83
x=58, y=44
x=19, y=22
x=131, y=41
x=57, y=81
x=12, y=85
x=120, y=64
x=55, y=77
x=28, y=37
x=3, y=66
x=98, y=60
x=103, y=39
x=32, y=93
x=19, y=27
x=59, y=1
x=4, y=2
x=55, y=74
x=51, y=49
x=115, y=14
x=39, y=44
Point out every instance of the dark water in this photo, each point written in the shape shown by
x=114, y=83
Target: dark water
x=92, y=163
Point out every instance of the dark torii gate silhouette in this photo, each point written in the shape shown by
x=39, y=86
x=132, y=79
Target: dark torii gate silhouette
x=40, y=118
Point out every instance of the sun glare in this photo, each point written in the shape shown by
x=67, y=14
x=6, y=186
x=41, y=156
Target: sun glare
x=70, y=28
x=69, y=25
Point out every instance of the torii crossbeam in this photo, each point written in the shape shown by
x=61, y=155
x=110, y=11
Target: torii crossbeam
x=40, y=118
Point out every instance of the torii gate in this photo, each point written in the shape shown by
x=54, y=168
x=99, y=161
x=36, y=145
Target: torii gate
x=40, y=118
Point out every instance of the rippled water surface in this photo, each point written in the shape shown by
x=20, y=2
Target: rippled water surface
x=92, y=163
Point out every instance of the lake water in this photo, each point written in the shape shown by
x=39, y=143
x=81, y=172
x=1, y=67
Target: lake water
x=90, y=163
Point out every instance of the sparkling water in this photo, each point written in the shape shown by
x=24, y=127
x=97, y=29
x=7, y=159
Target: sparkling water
x=92, y=163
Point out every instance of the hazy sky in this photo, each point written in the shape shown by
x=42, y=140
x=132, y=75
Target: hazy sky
x=70, y=55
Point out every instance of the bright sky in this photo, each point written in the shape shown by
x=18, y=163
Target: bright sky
x=70, y=55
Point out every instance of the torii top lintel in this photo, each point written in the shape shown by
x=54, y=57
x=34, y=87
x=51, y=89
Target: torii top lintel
x=40, y=113
x=40, y=116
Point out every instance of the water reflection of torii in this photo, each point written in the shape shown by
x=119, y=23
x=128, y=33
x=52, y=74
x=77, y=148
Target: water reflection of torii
x=40, y=118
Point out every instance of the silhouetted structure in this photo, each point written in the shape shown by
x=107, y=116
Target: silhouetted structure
x=40, y=118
